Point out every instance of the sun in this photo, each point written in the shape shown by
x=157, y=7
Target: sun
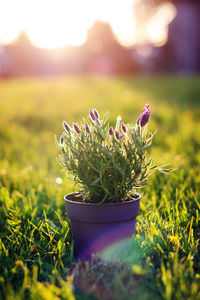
x=57, y=23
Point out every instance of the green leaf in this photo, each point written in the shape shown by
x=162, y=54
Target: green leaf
x=95, y=181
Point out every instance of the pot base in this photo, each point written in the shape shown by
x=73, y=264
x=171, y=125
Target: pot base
x=96, y=238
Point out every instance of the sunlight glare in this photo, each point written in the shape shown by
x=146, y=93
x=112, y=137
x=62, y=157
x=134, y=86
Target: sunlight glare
x=11, y=19
x=56, y=23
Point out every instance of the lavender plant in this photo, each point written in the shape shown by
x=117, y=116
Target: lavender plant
x=109, y=164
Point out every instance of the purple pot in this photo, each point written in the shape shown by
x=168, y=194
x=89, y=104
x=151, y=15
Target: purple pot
x=95, y=227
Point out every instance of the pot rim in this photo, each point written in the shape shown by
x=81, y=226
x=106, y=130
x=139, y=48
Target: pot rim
x=100, y=204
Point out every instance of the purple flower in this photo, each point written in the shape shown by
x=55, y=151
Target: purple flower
x=146, y=107
x=66, y=126
x=76, y=128
x=61, y=139
x=96, y=113
x=92, y=115
x=87, y=129
x=144, y=117
x=117, y=136
x=123, y=127
x=110, y=131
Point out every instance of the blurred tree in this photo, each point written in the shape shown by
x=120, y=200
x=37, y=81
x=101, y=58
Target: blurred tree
x=22, y=56
x=103, y=53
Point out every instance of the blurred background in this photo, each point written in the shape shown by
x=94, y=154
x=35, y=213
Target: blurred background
x=51, y=37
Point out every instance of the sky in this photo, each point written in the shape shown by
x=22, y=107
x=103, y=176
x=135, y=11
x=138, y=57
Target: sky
x=57, y=23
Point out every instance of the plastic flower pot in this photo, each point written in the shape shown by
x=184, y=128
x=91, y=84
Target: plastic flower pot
x=95, y=227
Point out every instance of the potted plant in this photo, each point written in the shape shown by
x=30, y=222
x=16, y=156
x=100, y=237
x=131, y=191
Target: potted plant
x=109, y=165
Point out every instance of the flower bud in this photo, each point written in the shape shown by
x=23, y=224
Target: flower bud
x=144, y=117
x=66, y=126
x=117, y=136
x=87, y=129
x=110, y=131
x=76, y=128
x=92, y=115
x=123, y=127
x=61, y=139
x=96, y=113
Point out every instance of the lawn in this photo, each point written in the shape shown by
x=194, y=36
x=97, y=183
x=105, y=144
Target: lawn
x=36, y=247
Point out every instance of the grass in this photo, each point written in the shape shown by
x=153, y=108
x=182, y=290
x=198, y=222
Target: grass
x=36, y=257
